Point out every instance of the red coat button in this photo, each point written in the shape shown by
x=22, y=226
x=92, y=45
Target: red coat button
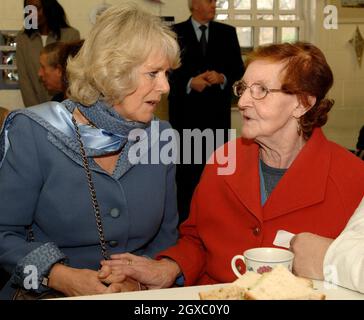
x=256, y=231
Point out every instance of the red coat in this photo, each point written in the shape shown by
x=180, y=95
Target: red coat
x=318, y=194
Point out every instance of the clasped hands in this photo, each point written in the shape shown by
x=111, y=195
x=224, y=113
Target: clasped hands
x=123, y=272
x=206, y=79
x=151, y=274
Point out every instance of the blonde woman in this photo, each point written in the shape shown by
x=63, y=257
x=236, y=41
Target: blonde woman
x=81, y=202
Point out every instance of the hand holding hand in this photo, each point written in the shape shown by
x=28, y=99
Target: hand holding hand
x=199, y=83
x=309, y=250
x=214, y=77
x=154, y=274
x=78, y=282
x=120, y=281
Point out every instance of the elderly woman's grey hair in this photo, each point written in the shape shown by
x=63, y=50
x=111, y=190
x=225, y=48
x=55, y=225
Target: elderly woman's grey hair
x=52, y=51
x=119, y=43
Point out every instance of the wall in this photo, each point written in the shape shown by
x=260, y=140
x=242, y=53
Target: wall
x=347, y=12
x=347, y=115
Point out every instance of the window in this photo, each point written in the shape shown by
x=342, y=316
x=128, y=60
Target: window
x=8, y=71
x=261, y=22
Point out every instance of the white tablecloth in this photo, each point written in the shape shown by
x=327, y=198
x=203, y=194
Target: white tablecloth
x=331, y=291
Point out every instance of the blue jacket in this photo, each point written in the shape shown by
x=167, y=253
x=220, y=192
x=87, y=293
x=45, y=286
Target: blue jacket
x=42, y=186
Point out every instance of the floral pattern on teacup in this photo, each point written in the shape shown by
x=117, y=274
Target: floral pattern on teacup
x=264, y=269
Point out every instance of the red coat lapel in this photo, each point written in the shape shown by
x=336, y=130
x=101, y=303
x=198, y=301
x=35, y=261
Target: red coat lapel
x=305, y=182
x=245, y=181
x=302, y=185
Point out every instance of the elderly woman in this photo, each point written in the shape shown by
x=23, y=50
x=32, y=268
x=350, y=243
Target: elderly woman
x=53, y=64
x=70, y=195
x=50, y=72
x=288, y=175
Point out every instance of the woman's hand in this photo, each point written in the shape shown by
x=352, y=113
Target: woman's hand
x=122, y=282
x=309, y=250
x=154, y=274
x=78, y=282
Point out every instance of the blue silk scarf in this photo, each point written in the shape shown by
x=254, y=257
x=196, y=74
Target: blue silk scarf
x=109, y=134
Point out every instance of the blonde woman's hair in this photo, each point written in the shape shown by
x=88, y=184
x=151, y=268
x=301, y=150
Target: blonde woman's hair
x=122, y=39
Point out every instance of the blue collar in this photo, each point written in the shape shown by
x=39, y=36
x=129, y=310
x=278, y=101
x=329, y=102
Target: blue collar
x=56, y=118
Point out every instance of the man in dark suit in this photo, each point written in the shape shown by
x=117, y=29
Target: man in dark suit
x=200, y=95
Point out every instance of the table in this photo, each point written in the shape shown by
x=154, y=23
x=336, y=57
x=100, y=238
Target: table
x=331, y=291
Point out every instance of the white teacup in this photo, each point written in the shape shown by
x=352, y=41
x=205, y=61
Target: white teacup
x=261, y=260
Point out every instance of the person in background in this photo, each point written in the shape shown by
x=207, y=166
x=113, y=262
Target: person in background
x=340, y=260
x=67, y=51
x=67, y=181
x=50, y=72
x=52, y=26
x=53, y=62
x=200, y=96
x=288, y=175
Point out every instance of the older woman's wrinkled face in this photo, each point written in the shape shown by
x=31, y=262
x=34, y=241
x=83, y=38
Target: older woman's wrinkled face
x=50, y=76
x=272, y=116
x=152, y=83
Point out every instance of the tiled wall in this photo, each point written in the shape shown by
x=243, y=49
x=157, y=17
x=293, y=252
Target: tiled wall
x=347, y=116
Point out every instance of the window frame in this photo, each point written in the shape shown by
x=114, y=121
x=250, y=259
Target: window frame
x=255, y=23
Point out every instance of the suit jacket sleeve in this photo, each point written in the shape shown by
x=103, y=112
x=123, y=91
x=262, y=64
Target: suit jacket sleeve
x=344, y=260
x=180, y=77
